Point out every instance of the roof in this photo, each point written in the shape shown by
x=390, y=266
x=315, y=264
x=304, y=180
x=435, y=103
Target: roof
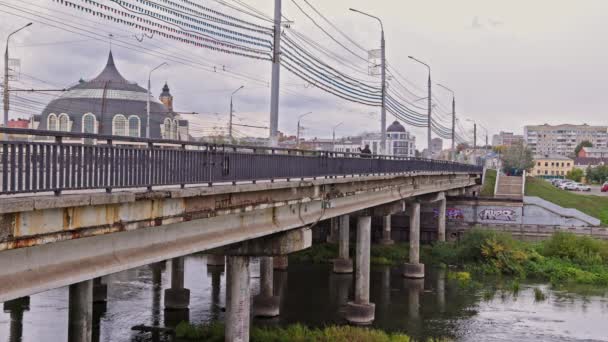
x=396, y=127
x=551, y=157
x=590, y=161
x=166, y=92
x=109, y=79
x=596, y=149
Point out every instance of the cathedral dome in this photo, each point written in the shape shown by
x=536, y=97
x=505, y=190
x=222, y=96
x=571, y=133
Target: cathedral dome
x=109, y=105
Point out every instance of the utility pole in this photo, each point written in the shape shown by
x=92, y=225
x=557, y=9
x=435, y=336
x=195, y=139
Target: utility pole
x=333, y=140
x=474, y=136
x=148, y=102
x=299, y=128
x=453, y=120
x=232, y=114
x=383, y=75
x=6, y=75
x=276, y=76
x=430, y=108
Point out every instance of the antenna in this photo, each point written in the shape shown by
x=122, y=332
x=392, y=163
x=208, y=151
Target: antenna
x=110, y=36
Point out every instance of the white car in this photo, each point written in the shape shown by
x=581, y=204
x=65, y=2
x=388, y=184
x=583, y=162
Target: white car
x=582, y=187
x=568, y=186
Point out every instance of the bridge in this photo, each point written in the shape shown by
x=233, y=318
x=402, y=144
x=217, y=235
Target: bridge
x=76, y=207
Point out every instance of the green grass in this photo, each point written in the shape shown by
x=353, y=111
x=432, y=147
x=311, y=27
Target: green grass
x=487, y=190
x=596, y=206
x=294, y=333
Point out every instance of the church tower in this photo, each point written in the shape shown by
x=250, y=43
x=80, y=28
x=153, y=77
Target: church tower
x=166, y=98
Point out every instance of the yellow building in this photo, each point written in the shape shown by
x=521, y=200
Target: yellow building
x=552, y=166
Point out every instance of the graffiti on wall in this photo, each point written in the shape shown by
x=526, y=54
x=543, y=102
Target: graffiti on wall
x=507, y=215
x=452, y=214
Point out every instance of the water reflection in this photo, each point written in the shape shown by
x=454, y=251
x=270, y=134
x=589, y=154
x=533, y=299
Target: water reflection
x=314, y=295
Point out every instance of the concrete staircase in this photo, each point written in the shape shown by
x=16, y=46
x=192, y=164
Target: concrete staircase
x=509, y=187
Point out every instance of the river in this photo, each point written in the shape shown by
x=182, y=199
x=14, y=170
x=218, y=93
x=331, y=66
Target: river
x=312, y=295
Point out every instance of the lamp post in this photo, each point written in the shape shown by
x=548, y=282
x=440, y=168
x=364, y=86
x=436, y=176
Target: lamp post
x=430, y=108
x=148, y=99
x=298, y=129
x=474, y=134
x=333, y=140
x=231, y=114
x=383, y=73
x=453, y=119
x=6, y=99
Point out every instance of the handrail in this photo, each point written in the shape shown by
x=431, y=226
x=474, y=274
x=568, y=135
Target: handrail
x=42, y=165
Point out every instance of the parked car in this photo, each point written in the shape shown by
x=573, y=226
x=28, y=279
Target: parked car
x=559, y=182
x=582, y=187
x=568, y=186
x=605, y=187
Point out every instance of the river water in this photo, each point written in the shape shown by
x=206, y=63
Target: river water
x=312, y=295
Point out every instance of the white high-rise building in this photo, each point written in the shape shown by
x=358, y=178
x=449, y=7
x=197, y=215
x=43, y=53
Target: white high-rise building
x=399, y=142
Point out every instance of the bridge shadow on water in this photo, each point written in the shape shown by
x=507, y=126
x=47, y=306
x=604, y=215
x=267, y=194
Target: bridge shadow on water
x=312, y=295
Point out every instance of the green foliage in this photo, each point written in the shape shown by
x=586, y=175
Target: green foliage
x=460, y=276
x=326, y=252
x=596, y=206
x=488, y=183
x=292, y=333
x=579, y=147
x=598, y=174
x=576, y=175
x=317, y=254
x=517, y=157
x=565, y=258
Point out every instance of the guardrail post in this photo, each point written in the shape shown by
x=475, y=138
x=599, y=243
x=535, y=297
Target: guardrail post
x=59, y=164
x=110, y=165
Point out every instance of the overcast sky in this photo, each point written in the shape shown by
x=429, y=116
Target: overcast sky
x=511, y=63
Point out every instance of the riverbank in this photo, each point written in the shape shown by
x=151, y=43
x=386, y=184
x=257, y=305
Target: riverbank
x=294, y=333
x=565, y=258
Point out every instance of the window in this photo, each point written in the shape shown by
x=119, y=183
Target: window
x=546, y=163
x=568, y=164
x=133, y=126
x=64, y=122
x=119, y=125
x=51, y=122
x=538, y=163
x=88, y=123
x=167, y=129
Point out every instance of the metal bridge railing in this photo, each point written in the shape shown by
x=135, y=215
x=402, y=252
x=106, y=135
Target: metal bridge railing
x=44, y=161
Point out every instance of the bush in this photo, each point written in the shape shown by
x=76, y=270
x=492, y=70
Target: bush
x=578, y=249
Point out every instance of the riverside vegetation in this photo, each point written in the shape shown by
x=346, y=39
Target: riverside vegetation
x=564, y=258
x=293, y=333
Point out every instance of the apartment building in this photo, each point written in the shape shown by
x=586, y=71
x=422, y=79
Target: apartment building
x=552, y=166
x=563, y=139
x=506, y=139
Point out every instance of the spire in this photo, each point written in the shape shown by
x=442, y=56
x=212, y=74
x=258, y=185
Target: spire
x=166, y=91
x=110, y=73
x=110, y=60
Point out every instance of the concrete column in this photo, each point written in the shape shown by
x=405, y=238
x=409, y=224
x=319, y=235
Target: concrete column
x=216, y=281
x=361, y=311
x=177, y=297
x=215, y=260
x=15, y=308
x=386, y=231
x=80, y=312
x=414, y=269
x=266, y=304
x=343, y=264
x=280, y=262
x=100, y=291
x=237, y=299
x=441, y=221
x=333, y=230
x=414, y=288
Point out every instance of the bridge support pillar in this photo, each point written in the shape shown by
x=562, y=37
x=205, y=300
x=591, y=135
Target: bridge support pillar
x=333, y=230
x=100, y=291
x=266, y=304
x=441, y=221
x=16, y=308
x=343, y=264
x=177, y=297
x=386, y=231
x=215, y=272
x=280, y=262
x=80, y=312
x=237, y=298
x=414, y=269
x=361, y=311
x=216, y=260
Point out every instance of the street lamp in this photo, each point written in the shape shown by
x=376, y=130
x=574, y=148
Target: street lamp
x=453, y=119
x=232, y=114
x=383, y=73
x=148, y=99
x=6, y=100
x=298, y=129
x=333, y=140
x=474, y=133
x=430, y=108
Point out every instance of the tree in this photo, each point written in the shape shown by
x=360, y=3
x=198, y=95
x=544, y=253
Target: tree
x=575, y=175
x=580, y=146
x=516, y=158
x=598, y=174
